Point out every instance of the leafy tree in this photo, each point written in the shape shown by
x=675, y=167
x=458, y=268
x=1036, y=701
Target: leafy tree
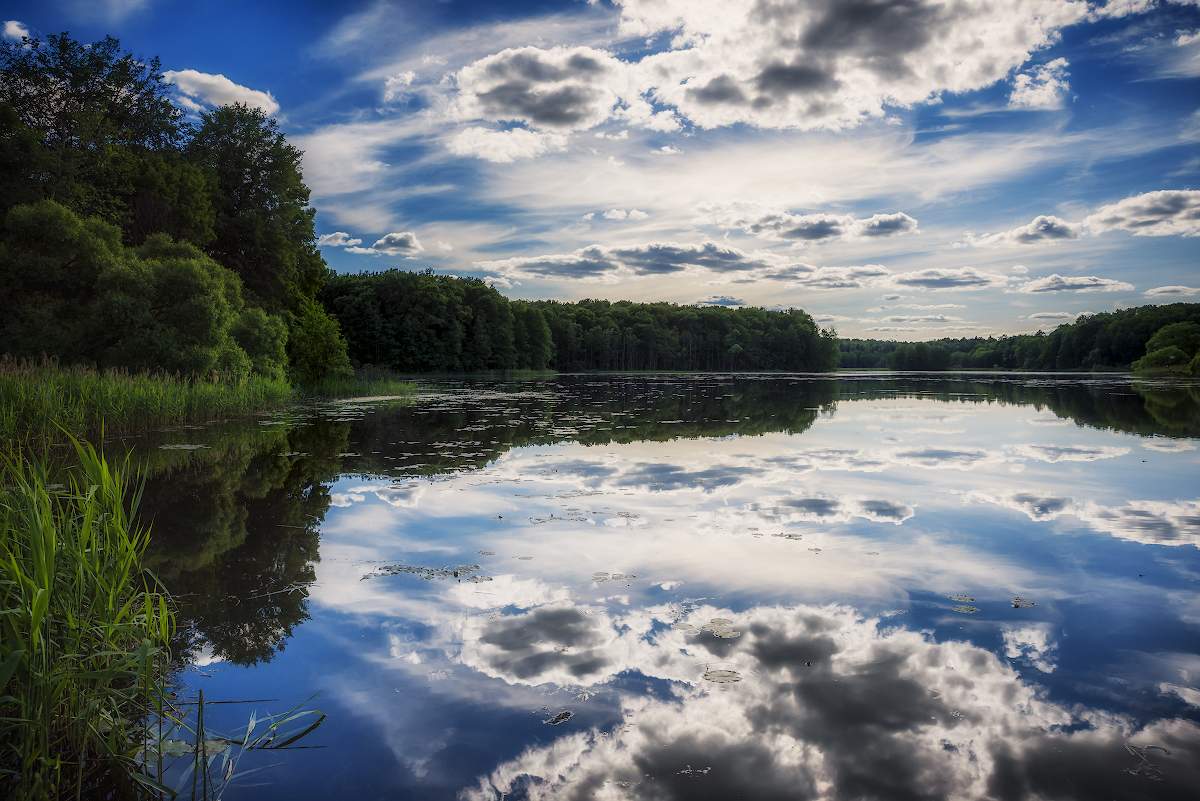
x=1170, y=356
x=1185, y=336
x=263, y=222
x=85, y=124
x=315, y=346
x=170, y=307
x=264, y=339
x=78, y=294
x=50, y=267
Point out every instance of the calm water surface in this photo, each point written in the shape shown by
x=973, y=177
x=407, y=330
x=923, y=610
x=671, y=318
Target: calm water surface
x=694, y=587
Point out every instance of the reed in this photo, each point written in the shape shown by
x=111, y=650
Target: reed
x=81, y=399
x=85, y=631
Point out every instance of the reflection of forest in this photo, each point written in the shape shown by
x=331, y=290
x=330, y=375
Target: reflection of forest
x=235, y=534
x=236, y=524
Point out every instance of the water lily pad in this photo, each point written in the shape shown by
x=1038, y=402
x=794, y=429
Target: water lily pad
x=722, y=676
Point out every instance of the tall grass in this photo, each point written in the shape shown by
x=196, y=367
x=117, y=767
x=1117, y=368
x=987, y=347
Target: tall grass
x=85, y=632
x=40, y=400
x=81, y=399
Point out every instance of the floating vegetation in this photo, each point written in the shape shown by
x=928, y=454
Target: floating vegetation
x=560, y=718
x=722, y=676
x=721, y=627
x=1021, y=603
x=690, y=771
x=961, y=598
x=459, y=572
x=599, y=576
x=487, y=553
x=1145, y=767
x=181, y=446
x=788, y=535
x=965, y=609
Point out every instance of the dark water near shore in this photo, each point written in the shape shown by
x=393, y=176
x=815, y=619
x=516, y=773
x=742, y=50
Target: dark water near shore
x=692, y=587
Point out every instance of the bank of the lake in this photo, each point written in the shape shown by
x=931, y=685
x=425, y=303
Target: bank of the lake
x=39, y=400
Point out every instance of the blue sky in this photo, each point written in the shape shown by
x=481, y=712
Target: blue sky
x=900, y=168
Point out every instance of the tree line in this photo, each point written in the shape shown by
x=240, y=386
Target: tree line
x=133, y=237
x=419, y=322
x=1108, y=340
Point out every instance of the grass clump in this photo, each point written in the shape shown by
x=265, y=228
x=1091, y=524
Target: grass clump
x=363, y=383
x=84, y=632
x=80, y=399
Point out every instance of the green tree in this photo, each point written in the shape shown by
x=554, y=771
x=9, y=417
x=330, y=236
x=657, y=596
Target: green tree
x=76, y=293
x=315, y=346
x=264, y=339
x=84, y=124
x=263, y=228
x=1162, y=359
x=1185, y=336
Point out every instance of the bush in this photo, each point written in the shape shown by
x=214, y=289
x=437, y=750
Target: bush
x=1185, y=336
x=1162, y=359
x=78, y=295
x=315, y=346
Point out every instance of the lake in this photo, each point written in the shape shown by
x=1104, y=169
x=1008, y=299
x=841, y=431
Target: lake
x=700, y=586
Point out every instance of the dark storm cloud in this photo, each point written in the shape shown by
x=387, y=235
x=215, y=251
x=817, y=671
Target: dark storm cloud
x=792, y=79
x=1074, y=283
x=656, y=259
x=1045, y=227
x=962, y=278
x=881, y=32
x=853, y=277
x=560, y=107
x=721, y=89
x=590, y=262
x=887, y=224
x=401, y=243
x=651, y=259
x=662, y=476
x=886, y=510
x=1053, y=766
x=814, y=228
x=816, y=507
x=1041, y=507
x=941, y=457
x=1166, y=212
x=528, y=646
x=822, y=226
x=1149, y=523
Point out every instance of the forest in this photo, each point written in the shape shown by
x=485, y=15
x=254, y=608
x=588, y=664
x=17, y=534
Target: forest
x=132, y=237
x=419, y=322
x=1147, y=337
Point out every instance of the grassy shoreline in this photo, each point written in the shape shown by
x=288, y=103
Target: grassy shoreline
x=42, y=400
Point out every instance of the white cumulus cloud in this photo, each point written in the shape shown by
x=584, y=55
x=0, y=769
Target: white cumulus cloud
x=217, y=90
